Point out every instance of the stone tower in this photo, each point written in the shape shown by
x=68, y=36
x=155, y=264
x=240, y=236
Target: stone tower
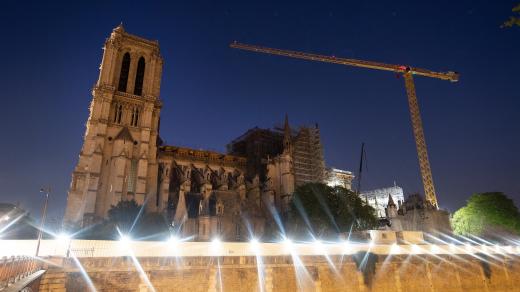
x=391, y=208
x=286, y=161
x=118, y=158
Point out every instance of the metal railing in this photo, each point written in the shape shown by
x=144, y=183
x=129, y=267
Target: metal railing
x=15, y=268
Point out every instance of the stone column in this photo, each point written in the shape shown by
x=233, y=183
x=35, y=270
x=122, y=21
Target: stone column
x=164, y=189
x=134, y=58
x=181, y=214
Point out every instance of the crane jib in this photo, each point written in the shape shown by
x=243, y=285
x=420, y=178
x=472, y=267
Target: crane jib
x=450, y=75
x=413, y=105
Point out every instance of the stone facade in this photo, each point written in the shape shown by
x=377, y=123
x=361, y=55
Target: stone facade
x=316, y=273
x=118, y=160
x=203, y=193
x=339, y=177
x=378, y=198
x=416, y=214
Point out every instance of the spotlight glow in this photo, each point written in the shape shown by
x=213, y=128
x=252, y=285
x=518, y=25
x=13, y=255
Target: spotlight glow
x=288, y=245
x=394, y=249
x=254, y=245
x=216, y=246
x=318, y=246
x=435, y=249
x=415, y=248
x=63, y=237
x=173, y=240
x=125, y=239
x=347, y=248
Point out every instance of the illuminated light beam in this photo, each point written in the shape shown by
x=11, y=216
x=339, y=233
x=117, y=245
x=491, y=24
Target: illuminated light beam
x=4, y=228
x=276, y=217
x=219, y=274
x=321, y=249
x=325, y=208
x=138, y=215
x=394, y=249
x=83, y=273
x=303, y=278
x=255, y=246
x=452, y=250
x=126, y=241
x=301, y=210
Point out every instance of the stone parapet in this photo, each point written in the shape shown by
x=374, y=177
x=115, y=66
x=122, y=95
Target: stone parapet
x=357, y=272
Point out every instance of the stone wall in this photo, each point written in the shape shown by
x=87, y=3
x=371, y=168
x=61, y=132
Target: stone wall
x=357, y=272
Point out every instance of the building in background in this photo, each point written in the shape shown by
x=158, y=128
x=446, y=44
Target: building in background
x=16, y=223
x=416, y=214
x=411, y=214
x=378, y=198
x=338, y=177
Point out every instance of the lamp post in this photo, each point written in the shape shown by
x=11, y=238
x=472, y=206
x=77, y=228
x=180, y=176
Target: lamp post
x=46, y=191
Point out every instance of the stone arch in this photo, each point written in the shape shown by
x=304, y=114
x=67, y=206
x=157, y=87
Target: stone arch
x=124, y=72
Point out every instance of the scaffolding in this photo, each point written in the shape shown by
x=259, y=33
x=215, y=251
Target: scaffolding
x=308, y=162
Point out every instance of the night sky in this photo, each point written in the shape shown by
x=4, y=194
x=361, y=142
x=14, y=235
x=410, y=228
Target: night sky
x=212, y=94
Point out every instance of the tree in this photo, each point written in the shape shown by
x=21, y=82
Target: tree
x=486, y=214
x=325, y=212
x=513, y=20
x=130, y=218
x=124, y=214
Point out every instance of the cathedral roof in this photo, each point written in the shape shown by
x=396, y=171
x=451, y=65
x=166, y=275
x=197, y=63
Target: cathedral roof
x=202, y=155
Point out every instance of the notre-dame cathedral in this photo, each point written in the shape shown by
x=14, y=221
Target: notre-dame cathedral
x=203, y=193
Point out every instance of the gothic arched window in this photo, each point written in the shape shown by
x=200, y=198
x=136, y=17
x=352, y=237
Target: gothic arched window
x=135, y=117
x=139, y=77
x=123, y=77
x=118, y=114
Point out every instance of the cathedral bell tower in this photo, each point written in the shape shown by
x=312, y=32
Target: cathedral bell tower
x=118, y=157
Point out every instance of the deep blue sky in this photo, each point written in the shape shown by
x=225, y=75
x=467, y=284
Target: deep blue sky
x=211, y=93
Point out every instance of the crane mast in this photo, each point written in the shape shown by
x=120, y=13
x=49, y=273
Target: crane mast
x=407, y=72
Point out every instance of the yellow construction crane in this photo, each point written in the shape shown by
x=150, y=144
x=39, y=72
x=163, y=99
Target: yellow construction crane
x=407, y=72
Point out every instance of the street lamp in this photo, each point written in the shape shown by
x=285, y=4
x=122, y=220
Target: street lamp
x=46, y=191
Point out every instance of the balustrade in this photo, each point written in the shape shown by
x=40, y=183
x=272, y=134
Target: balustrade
x=15, y=268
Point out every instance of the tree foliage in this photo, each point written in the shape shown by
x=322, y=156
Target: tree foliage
x=130, y=218
x=513, y=20
x=124, y=214
x=485, y=214
x=325, y=212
